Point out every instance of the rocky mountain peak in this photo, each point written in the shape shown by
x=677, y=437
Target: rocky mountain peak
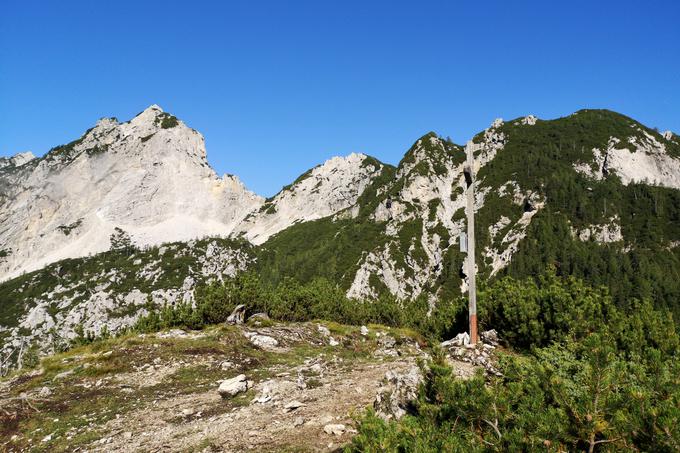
x=148, y=176
x=148, y=115
x=430, y=154
x=16, y=160
x=320, y=192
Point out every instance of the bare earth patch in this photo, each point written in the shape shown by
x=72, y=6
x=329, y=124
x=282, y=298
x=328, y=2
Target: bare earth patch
x=266, y=426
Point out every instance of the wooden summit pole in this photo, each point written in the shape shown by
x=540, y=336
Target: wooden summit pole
x=469, y=172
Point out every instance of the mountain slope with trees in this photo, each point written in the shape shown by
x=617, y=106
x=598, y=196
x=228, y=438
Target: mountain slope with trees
x=574, y=194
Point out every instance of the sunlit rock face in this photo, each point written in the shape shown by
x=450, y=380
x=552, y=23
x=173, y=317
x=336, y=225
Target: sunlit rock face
x=148, y=176
x=323, y=191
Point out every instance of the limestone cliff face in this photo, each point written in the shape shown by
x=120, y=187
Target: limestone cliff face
x=321, y=192
x=148, y=176
x=637, y=158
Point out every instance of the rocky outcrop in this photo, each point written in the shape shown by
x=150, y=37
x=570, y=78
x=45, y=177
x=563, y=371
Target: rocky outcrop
x=501, y=250
x=529, y=120
x=91, y=301
x=480, y=355
x=604, y=234
x=640, y=159
x=17, y=160
x=398, y=393
x=237, y=316
x=323, y=191
x=432, y=193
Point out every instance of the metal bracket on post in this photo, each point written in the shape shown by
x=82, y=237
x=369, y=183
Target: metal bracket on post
x=469, y=172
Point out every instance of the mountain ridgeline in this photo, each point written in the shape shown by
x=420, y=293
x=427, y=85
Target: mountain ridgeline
x=594, y=194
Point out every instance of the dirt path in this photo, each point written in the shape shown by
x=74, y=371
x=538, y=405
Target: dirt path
x=256, y=426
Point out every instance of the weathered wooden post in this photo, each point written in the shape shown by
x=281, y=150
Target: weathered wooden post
x=469, y=172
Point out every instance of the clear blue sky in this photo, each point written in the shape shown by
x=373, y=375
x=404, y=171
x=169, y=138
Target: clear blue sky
x=278, y=87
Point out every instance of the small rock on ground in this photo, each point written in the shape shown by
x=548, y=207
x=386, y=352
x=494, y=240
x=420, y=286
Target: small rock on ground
x=333, y=429
x=234, y=386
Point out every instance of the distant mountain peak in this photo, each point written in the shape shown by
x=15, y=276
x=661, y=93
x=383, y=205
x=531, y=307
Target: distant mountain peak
x=17, y=160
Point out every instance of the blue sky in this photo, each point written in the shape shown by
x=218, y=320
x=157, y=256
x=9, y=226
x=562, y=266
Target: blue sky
x=278, y=87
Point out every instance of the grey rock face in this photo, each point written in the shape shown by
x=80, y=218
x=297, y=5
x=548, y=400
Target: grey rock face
x=397, y=393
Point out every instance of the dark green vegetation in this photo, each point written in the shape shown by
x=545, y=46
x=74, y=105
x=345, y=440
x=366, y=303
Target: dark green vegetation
x=166, y=121
x=291, y=301
x=67, y=152
x=579, y=373
x=593, y=378
x=147, y=138
x=66, y=229
x=540, y=159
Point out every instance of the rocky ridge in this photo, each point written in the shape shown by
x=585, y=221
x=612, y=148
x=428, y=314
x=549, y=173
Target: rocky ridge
x=321, y=192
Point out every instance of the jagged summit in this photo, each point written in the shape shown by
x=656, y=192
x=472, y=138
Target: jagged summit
x=148, y=176
x=154, y=107
x=429, y=147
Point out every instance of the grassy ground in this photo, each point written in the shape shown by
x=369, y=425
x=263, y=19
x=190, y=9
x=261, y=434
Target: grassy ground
x=92, y=385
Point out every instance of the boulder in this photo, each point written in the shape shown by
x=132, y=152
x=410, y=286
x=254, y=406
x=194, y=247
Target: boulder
x=261, y=341
x=397, y=393
x=290, y=407
x=387, y=342
x=334, y=429
x=226, y=365
x=364, y=331
x=62, y=375
x=234, y=386
x=490, y=337
x=44, y=392
x=461, y=339
x=258, y=317
x=238, y=315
